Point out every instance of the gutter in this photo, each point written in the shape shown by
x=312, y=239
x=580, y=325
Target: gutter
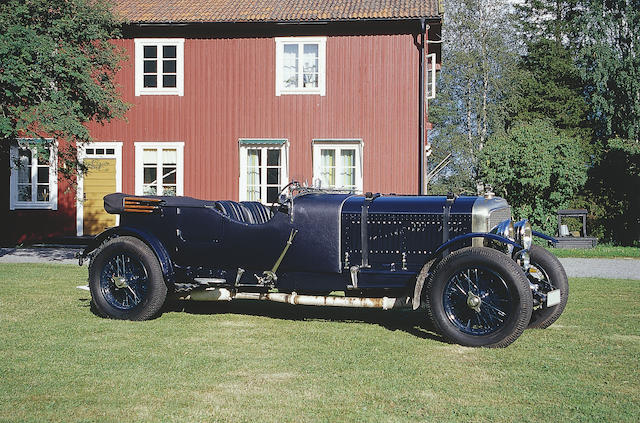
x=421, y=98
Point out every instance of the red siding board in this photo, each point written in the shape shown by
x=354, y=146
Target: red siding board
x=229, y=93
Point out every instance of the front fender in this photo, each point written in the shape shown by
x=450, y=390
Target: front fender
x=151, y=240
x=471, y=235
x=433, y=258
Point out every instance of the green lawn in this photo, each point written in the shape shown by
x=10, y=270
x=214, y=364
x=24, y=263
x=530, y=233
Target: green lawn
x=267, y=362
x=602, y=251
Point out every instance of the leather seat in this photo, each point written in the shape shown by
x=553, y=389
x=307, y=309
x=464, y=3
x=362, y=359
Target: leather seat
x=259, y=212
x=251, y=212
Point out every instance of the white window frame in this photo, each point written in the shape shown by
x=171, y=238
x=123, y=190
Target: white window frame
x=430, y=69
x=322, y=65
x=339, y=144
x=139, y=164
x=140, y=43
x=244, y=146
x=34, y=204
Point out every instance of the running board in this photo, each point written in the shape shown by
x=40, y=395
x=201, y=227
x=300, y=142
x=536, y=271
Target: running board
x=223, y=294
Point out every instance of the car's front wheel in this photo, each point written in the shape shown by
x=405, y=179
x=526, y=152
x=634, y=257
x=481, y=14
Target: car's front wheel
x=479, y=297
x=546, y=270
x=126, y=281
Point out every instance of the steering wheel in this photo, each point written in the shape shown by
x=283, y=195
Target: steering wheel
x=285, y=196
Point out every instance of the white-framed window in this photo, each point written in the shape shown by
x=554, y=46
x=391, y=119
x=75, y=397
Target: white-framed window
x=159, y=66
x=301, y=65
x=430, y=69
x=264, y=169
x=34, y=175
x=159, y=168
x=337, y=164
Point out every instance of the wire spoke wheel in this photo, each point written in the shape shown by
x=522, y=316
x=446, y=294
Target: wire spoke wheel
x=126, y=280
x=123, y=281
x=479, y=297
x=477, y=301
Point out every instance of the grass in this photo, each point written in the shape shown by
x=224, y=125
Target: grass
x=267, y=362
x=599, y=251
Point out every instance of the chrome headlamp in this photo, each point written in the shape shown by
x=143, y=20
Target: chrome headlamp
x=523, y=233
x=505, y=229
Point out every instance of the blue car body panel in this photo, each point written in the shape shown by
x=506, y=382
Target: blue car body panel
x=195, y=238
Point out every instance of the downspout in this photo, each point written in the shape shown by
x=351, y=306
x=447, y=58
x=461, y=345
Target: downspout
x=421, y=98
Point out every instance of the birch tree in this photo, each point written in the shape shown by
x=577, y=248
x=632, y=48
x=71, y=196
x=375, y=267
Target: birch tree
x=478, y=59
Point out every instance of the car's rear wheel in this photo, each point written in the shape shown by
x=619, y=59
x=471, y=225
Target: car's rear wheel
x=126, y=281
x=479, y=297
x=546, y=269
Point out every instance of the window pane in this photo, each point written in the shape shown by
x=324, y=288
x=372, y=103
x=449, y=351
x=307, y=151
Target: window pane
x=310, y=65
x=169, y=156
x=169, y=175
x=43, y=157
x=43, y=175
x=24, y=168
x=273, y=176
x=89, y=151
x=43, y=192
x=273, y=157
x=272, y=194
x=169, y=81
x=169, y=191
x=169, y=66
x=328, y=157
x=150, y=51
x=150, y=175
x=99, y=150
x=253, y=193
x=111, y=151
x=24, y=192
x=149, y=156
x=169, y=52
x=149, y=190
x=150, y=66
x=328, y=169
x=150, y=81
x=290, y=66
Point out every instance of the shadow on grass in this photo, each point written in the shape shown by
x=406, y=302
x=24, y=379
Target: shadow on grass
x=415, y=323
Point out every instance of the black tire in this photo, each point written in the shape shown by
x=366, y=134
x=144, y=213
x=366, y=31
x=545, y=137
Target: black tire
x=553, y=273
x=495, y=285
x=126, y=280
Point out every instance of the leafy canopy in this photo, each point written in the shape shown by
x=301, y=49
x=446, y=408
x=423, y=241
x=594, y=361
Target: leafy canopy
x=57, y=70
x=536, y=168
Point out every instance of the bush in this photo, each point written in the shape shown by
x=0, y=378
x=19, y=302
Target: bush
x=537, y=168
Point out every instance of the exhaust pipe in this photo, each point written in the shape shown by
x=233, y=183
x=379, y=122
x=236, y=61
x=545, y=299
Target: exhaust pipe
x=224, y=294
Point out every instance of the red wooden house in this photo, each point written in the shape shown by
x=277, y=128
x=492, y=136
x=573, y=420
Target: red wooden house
x=233, y=99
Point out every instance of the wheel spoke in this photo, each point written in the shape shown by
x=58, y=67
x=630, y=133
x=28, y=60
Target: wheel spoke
x=479, y=310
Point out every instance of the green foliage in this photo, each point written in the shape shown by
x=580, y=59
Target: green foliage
x=614, y=186
x=57, y=69
x=471, y=86
x=550, y=87
x=536, y=168
x=609, y=57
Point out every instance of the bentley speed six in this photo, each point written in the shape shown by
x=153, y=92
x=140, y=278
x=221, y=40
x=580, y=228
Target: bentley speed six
x=461, y=260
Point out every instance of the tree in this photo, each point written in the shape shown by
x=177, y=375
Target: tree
x=608, y=54
x=477, y=64
x=536, y=168
x=550, y=87
x=57, y=71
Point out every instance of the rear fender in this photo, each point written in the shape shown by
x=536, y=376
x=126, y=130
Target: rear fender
x=151, y=240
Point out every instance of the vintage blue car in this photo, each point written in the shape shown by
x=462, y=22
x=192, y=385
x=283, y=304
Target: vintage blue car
x=460, y=259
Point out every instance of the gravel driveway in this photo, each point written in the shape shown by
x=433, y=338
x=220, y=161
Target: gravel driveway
x=602, y=268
